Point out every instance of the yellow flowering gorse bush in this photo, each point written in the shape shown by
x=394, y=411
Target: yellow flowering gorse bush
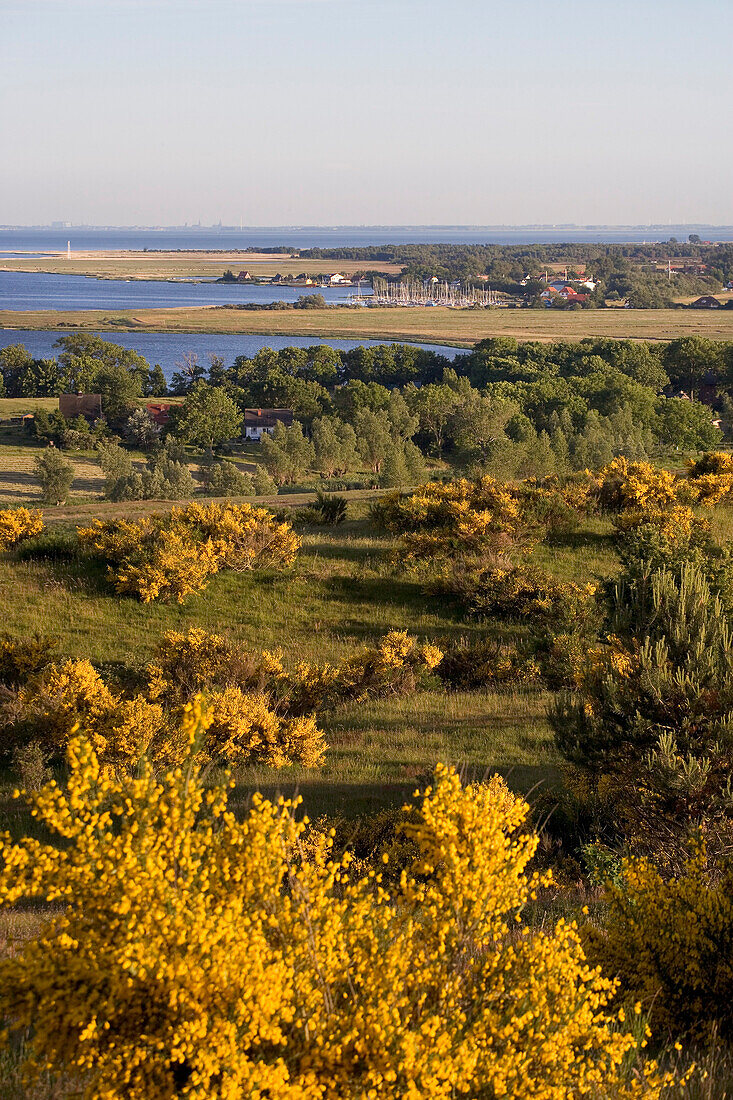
x=174, y=554
x=635, y=486
x=668, y=939
x=18, y=524
x=468, y=516
x=201, y=956
x=711, y=477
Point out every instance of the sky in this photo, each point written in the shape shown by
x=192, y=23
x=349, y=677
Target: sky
x=363, y=112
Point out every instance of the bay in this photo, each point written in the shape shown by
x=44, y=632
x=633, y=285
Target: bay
x=37, y=290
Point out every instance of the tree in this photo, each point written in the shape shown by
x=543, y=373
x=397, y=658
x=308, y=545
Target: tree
x=685, y=425
x=374, y=435
x=480, y=423
x=286, y=453
x=189, y=372
x=434, y=406
x=264, y=485
x=394, y=473
x=56, y=475
x=335, y=446
x=122, y=481
x=208, y=417
x=311, y=301
x=223, y=479
x=688, y=360
x=141, y=430
x=120, y=391
x=156, y=385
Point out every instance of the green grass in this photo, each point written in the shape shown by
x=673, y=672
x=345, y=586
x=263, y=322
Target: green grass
x=347, y=589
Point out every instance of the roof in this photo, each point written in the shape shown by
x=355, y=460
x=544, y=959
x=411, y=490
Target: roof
x=267, y=418
x=706, y=302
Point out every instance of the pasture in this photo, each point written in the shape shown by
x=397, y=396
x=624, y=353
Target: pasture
x=435, y=325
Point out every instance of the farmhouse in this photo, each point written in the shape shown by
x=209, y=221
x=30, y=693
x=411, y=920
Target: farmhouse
x=80, y=404
x=706, y=302
x=257, y=421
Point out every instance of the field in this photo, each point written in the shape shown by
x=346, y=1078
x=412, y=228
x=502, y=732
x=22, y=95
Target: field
x=434, y=325
x=179, y=265
x=346, y=590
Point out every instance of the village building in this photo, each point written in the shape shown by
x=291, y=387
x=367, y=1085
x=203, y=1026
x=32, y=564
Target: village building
x=80, y=404
x=159, y=413
x=706, y=302
x=259, y=421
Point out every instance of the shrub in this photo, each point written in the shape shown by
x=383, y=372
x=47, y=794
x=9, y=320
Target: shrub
x=174, y=554
x=669, y=940
x=185, y=664
x=223, y=479
x=674, y=674
x=521, y=592
x=21, y=658
x=486, y=663
x=394, y=666
x=245, y=729
x=17, y=525
x=56, y=475
x=624, y=485
x=74, y=440
x=158, y=880
x=330, y=509
x=167, y=478
x=711, y=477
x=55, y=545
x=462, y=517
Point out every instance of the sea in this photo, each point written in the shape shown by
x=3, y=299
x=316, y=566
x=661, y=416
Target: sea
x=41, y=239
x=168, y=348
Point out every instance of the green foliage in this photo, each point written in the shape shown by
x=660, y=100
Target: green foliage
x=286, y=453
x=224, y=479
x=264, y=484
x=486, y=663
x=674, y=675
x=55, y=474
x=330, y=509
x=208, y=417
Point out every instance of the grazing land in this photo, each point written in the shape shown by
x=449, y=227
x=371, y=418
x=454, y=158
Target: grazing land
x=186, y=265
x=434, y=325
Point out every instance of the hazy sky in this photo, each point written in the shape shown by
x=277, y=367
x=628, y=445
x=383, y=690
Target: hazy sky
x=366, y=111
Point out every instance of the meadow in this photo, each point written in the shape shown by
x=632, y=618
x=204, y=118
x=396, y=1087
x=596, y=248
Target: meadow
x=346, y=590
x=425, y=325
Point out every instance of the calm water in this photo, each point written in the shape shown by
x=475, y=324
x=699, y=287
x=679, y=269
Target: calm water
x=54, y=240
x=166, y=348
x=35, y=290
